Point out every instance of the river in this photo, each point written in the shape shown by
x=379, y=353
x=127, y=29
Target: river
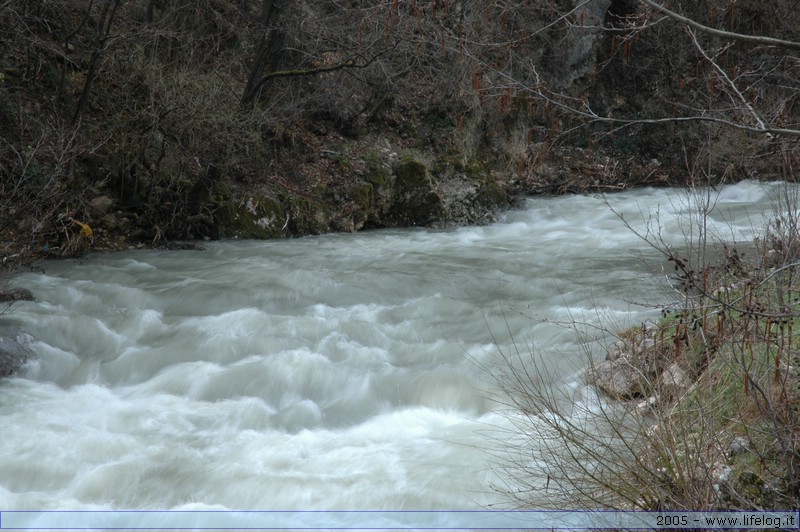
x=332, y=372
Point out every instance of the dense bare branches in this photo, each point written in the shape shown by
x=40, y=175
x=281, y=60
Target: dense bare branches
x=765, y=40
x=701, y=409
x=194, y=92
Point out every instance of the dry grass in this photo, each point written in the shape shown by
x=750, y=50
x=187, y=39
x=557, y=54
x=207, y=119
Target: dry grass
x=716, y=422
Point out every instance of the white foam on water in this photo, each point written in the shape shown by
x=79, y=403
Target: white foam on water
x=337, y=372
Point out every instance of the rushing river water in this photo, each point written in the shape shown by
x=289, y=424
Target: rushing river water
x=332, y=372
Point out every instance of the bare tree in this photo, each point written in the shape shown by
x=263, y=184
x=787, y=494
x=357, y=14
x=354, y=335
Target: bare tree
x=712, y=420
x=698, y=410
x=614, y=72
x=297, y=39
x=266, y=48
x=103, y=26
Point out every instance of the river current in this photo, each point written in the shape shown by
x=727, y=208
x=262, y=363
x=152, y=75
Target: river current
x=333, y=372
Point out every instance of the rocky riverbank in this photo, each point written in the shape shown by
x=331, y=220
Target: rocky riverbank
x=122, y=142
x=715, y=383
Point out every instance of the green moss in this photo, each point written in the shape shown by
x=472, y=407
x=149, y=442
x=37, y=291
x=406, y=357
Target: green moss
x=416, y=200
x=306, y=215
x=490, y=191
x=377, y=172
x=378, y=175
x=412, y=174
x=344, y=163
x=364, y=196
x=364, y=209
x=493, y=193
x=258, y=217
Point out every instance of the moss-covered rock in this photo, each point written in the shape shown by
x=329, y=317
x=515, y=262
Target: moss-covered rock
x=416, y=200
x=307, y=215
x=256, y=217
x=363, y=205
x=471, y=193
x=490, y=192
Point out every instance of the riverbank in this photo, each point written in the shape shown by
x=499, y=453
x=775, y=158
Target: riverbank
x=681, y=366
x=337, y=185
x=144, y=125
x=715, y=383
x=137, y=125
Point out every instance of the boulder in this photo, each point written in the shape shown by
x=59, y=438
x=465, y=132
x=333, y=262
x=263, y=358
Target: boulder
x=102, y=204
x=740, y=445
x=637, y=367
x=673, y=381
x=416, y=201
x=407, y=192
x=470, y=195
x=618, y=379
x=578, y=47
x=15, y=294
x=12, y=354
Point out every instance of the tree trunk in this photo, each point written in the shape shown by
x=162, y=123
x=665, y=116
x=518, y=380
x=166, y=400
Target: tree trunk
x=263, y=53
x=99, y=45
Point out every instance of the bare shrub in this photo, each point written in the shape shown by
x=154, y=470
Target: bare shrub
x=710, y=417
x=40, y=202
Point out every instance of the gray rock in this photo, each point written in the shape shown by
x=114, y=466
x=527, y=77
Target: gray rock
x=578, y=48
x=416, y=200
x=12, y=355
x=739, y=445
x=648, y=405
x=16, y=294
x=720, y=474
x=645, y=344
x=617, y=351
x=102, y=204
x=618, y=379
x=673, y=381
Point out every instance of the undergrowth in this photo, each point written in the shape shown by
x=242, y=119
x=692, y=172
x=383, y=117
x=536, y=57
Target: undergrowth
x=704, y=412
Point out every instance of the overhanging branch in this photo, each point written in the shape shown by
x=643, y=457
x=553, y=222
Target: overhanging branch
x=736, y=93
x=299, y=72
x=580, y=108
x=755, y=39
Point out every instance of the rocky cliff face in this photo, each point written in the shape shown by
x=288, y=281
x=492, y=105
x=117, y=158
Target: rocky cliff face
x=581, y=41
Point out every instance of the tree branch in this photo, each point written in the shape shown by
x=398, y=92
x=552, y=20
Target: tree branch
x=762, y=124
x=589, y=114
x=297, y=72
x=755, y=39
